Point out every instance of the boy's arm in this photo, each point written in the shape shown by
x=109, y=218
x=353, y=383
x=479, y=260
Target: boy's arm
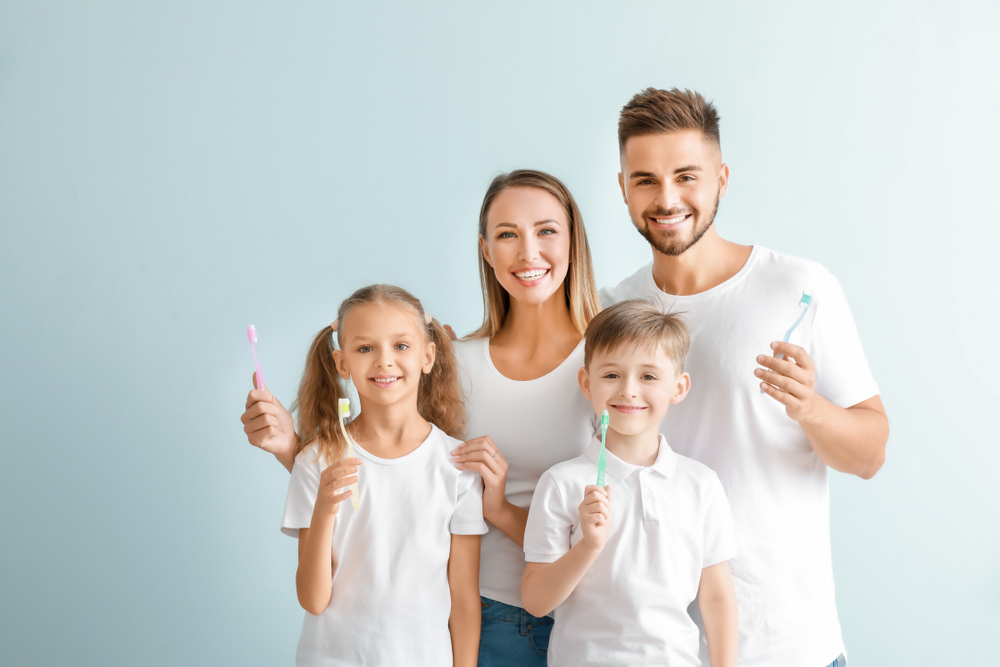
x=466, y=607
x=547, y=585
x=717, y=602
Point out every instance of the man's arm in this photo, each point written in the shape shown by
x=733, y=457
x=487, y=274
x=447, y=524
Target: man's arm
x=717, y=602
x=850, y=440
x=466, y=607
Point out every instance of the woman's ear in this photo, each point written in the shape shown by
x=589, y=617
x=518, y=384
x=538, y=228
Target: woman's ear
x=485, y=250
x=683, y=387
x=430, y=354
x=341, y=364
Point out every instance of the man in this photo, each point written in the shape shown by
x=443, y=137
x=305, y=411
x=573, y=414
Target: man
x=769, y=417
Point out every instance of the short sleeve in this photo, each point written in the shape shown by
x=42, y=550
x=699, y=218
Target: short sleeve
x=302, y=489
x=842, y=373
x=718, y=535
x=550, y=523
x=468, y=516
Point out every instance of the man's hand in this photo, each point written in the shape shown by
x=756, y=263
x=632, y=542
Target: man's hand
x=791, y=380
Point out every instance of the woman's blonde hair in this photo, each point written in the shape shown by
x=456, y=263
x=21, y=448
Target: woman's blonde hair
x=439, y=395
x=579, y=286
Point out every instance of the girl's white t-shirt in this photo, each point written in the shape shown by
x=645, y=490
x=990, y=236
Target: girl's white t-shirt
x=775, y=481
x=535, y=424
x=391, y=599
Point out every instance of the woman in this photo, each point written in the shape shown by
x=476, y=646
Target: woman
x=520, y=380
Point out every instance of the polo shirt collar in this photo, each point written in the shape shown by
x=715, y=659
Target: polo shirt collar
x=665, y=463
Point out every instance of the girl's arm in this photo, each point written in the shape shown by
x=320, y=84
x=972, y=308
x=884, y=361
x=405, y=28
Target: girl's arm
x=317, y=562
x=270, y=426
x=545, y=586
x=466, y=607
x=482, y=455
x=717, y=601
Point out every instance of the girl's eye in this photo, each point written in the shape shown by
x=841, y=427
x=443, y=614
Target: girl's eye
x=402, y=346
x=365, y=348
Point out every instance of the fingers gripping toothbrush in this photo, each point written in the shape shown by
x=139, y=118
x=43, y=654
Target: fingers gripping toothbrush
x=343, y=411
x=252, y=336
x=602, y=460
x=804, y=303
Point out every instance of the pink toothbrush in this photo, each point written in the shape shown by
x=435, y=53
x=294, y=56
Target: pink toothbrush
x=252, y=336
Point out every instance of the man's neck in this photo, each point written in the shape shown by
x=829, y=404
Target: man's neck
x=708, y=263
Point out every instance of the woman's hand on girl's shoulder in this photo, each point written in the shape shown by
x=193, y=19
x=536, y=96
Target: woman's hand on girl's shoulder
x=482, y=455
x=336, y=478
x=269, y=425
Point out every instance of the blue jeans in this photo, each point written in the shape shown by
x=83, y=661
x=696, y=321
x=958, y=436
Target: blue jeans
x=512, y=637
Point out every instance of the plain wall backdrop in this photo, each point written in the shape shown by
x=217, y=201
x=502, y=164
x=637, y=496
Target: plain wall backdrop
x=170, y=172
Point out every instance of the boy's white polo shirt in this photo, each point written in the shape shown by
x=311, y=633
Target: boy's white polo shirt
x=668, y=521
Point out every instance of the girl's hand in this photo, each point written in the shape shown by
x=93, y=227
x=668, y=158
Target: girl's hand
x=336, y=477
x=595, y=516
x=269, y=425
x=482, y=455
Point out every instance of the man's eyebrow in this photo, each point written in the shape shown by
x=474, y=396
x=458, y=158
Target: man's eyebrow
x=642, y=174
x=690, y=167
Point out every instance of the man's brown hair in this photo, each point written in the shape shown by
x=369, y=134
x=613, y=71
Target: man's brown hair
x=637, y=323
x=655, y=111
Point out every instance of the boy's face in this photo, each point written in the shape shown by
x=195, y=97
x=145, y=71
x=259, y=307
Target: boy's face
x=635, y=385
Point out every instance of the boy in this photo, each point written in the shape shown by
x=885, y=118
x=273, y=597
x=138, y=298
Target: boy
x=625, y=564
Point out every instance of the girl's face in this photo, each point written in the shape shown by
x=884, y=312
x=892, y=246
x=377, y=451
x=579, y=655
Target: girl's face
x=527, y=243
x=384, y=350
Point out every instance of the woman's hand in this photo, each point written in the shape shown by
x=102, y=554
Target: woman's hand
x=482, y=455
x=338, y=476
x=270, y=426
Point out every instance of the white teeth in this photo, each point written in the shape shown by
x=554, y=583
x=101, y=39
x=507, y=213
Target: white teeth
x=531, y=275
x=671, y=220
x=385, y=380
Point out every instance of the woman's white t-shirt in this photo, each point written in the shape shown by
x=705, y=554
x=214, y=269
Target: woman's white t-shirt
x=391, y=599
x=535, y=424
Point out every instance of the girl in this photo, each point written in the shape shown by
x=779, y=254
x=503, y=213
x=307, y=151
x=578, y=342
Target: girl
x=520, y=382
x=385, y=583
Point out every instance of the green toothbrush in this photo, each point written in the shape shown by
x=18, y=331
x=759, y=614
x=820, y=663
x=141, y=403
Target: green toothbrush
x=601, y=459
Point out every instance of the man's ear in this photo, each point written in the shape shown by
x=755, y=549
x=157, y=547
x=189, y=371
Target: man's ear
x=485, y=250
x=621, y=184
x=723, y=180
x=683, y=387
x=341, y=364
x=429, y=356
x=583, y=378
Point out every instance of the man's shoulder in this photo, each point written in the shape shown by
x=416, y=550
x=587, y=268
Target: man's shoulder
x=779, y=266
x=636, y=286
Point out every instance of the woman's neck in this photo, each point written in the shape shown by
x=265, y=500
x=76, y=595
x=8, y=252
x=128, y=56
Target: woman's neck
x=534, y=338
x=390, y=431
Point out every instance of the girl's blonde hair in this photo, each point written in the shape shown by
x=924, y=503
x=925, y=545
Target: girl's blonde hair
x=579, y=286
x=439, y=395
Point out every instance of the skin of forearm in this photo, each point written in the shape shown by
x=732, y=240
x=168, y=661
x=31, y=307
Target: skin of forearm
x=465, y=620
x=717, y=602
x=511, y=521
x=314, y=576
x=547, y=585
x=286, y=456
x=850, y=440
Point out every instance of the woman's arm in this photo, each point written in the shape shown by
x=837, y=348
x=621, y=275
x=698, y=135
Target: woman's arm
x=717, y=601
x=317, y=561
x=466, y=607
x=270, y=426
x=482, y=455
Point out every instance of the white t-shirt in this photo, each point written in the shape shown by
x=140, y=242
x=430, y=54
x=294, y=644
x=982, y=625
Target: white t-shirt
x=668, y=521
x=391, y=598
x=535, y=424
x=777, y=485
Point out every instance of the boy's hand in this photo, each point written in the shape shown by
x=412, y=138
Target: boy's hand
x=595, y=516
x=268, y=424
x=791, y=381
x=336, y=477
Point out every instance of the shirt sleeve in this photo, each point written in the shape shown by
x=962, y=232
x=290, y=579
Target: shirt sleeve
x=842, y=373
x=718, y=534
x=468, y=516
x=550, y=524
x=302, y=489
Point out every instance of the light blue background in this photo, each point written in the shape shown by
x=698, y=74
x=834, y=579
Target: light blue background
x=171, y=172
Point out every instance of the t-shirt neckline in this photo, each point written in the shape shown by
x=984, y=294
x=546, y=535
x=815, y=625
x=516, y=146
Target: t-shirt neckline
x=358, y=449
x=672, y=299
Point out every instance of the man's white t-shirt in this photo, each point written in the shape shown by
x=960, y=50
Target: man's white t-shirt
x=391, y=599
x=776, y=484
x=668, y=521
x=535, y=424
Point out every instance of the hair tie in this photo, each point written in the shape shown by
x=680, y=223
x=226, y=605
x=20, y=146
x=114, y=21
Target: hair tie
x=427, y=318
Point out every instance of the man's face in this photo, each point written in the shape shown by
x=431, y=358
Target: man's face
x=672, y=184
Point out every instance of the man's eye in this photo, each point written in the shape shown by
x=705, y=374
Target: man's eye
x=686, y=177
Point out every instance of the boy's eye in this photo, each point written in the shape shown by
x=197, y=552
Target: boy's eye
x=611, y=376
x=648, y=376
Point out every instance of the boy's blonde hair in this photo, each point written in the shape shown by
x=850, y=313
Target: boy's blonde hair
x=638, y=323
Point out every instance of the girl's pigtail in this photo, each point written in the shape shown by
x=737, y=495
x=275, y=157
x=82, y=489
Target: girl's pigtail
x=439, y=398
x=317, y=401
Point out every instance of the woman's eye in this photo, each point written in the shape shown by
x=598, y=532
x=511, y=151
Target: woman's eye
x=547, y=231
x=505, y=235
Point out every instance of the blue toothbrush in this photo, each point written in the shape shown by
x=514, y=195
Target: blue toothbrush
x=803, y=309
x=601, y=459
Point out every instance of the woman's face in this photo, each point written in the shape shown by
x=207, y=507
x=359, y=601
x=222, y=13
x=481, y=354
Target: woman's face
x=527, y=243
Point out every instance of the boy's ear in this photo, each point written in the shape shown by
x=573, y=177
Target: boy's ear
x=683, y=387
x=430, y=354
x=339, y=362
x=584, y=379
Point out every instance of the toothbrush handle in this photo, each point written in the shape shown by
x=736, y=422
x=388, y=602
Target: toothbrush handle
x=260, y=373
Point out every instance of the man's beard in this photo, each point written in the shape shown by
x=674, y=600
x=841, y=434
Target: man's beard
x=679, y=246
